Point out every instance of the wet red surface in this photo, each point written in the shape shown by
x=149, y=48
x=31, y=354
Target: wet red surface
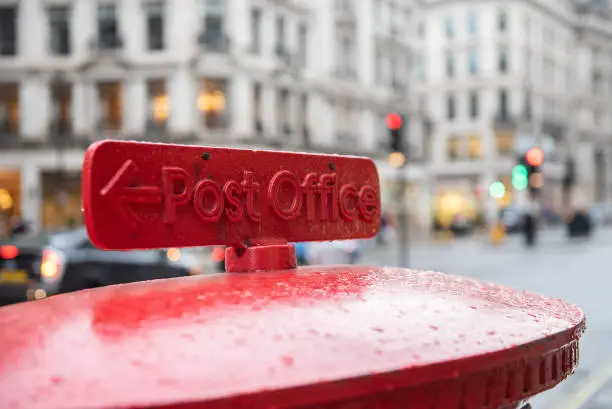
x=368, y=336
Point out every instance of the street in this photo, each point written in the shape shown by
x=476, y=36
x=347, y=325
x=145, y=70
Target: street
x=576, y=271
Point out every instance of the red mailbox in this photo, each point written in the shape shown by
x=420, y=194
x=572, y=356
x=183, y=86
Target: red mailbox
x=267, y=334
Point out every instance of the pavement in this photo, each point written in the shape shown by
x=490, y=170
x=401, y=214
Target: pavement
x=577, y=271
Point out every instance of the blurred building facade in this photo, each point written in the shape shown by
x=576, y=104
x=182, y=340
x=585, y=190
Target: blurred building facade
x=495, y=73
x=291, y=74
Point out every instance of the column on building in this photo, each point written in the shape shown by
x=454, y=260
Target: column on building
x=241, y=105
x=183, y=92
x=31, y=194
x=35, y=104
x=82, y=109
x=367, y=130
x=268, y=108
x=134, y=105
x=32, y=33
x=321, y=120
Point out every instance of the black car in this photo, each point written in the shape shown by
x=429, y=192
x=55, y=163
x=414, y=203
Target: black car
x=38, y=265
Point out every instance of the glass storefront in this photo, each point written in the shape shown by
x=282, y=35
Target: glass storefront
x=10, y=199
x=61, y=202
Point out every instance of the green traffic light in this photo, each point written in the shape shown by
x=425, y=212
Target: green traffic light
x=520, y=177
x=497, y=190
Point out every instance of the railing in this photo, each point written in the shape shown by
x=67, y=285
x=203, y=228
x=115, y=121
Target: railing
x=215, y=41
x=107, y=43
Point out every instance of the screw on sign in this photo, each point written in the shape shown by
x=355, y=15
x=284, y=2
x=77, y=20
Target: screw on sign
x=268, y=334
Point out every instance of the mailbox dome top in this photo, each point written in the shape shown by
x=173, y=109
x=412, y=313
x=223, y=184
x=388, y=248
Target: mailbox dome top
x=287, y=339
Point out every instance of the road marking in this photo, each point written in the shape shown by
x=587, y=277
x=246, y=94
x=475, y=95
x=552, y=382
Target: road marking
x=586, y=389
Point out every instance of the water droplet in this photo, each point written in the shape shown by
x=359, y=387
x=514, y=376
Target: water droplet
x=56, y=379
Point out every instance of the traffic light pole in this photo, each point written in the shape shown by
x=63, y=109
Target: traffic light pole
x=403, y=221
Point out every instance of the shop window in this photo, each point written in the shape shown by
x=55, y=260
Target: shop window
x=505, y=142
x=212, y=103
x=9, y=109
x=453, y=147
x=475, y=146
x=61, y=204
x=111, y=116
x=158, y=103
x=10, y=199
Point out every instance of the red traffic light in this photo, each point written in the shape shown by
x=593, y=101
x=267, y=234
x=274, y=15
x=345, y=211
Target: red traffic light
x=535, y=157
x=394, y=121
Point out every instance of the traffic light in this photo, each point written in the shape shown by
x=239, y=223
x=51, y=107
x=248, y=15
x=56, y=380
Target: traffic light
x=394, y=124
x=533, y=160
x=497, y=190
x=397, y=157
x=520, y=177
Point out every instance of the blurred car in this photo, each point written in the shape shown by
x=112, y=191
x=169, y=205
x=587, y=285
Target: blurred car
x=512, y=218
x=35, y=266
x=461, y=225
x=601, y=214
x=332, y=252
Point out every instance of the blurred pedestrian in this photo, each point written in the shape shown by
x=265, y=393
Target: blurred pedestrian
x=18, y=226
x=530, y=224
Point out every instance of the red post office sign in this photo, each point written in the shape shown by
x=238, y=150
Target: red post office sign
x=147, y=195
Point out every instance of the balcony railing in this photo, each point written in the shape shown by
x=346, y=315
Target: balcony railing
x=504, y=119
x=215, y=41
x=107, y=43
x=346, y=72
x=59, y=128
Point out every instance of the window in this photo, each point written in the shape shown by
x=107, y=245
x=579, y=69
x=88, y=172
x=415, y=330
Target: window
x=597, y=82
x=256, y=30
x=453, y=147
x=303, y=118
x=257, y=114
x=472, y=23
x=61, y=105
x=303, y=112
x=110, y=105
x=108, y=29
x=303, y=45
x=474, y=106
x=451, y=109
x=59, y=30
x=474, y=146
x=158, y=104
x=280, y=36
x=283, y=111
x=212, y=103
x=505, y=142
x=502, y=62
x=9, y=108
x=214, y=37
x=450, y=27
x=473, y=60
x=8, y=30
x=503, y=104
x=502, y=21
x=345, y=62
x=155, y=25
x=450, y=65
